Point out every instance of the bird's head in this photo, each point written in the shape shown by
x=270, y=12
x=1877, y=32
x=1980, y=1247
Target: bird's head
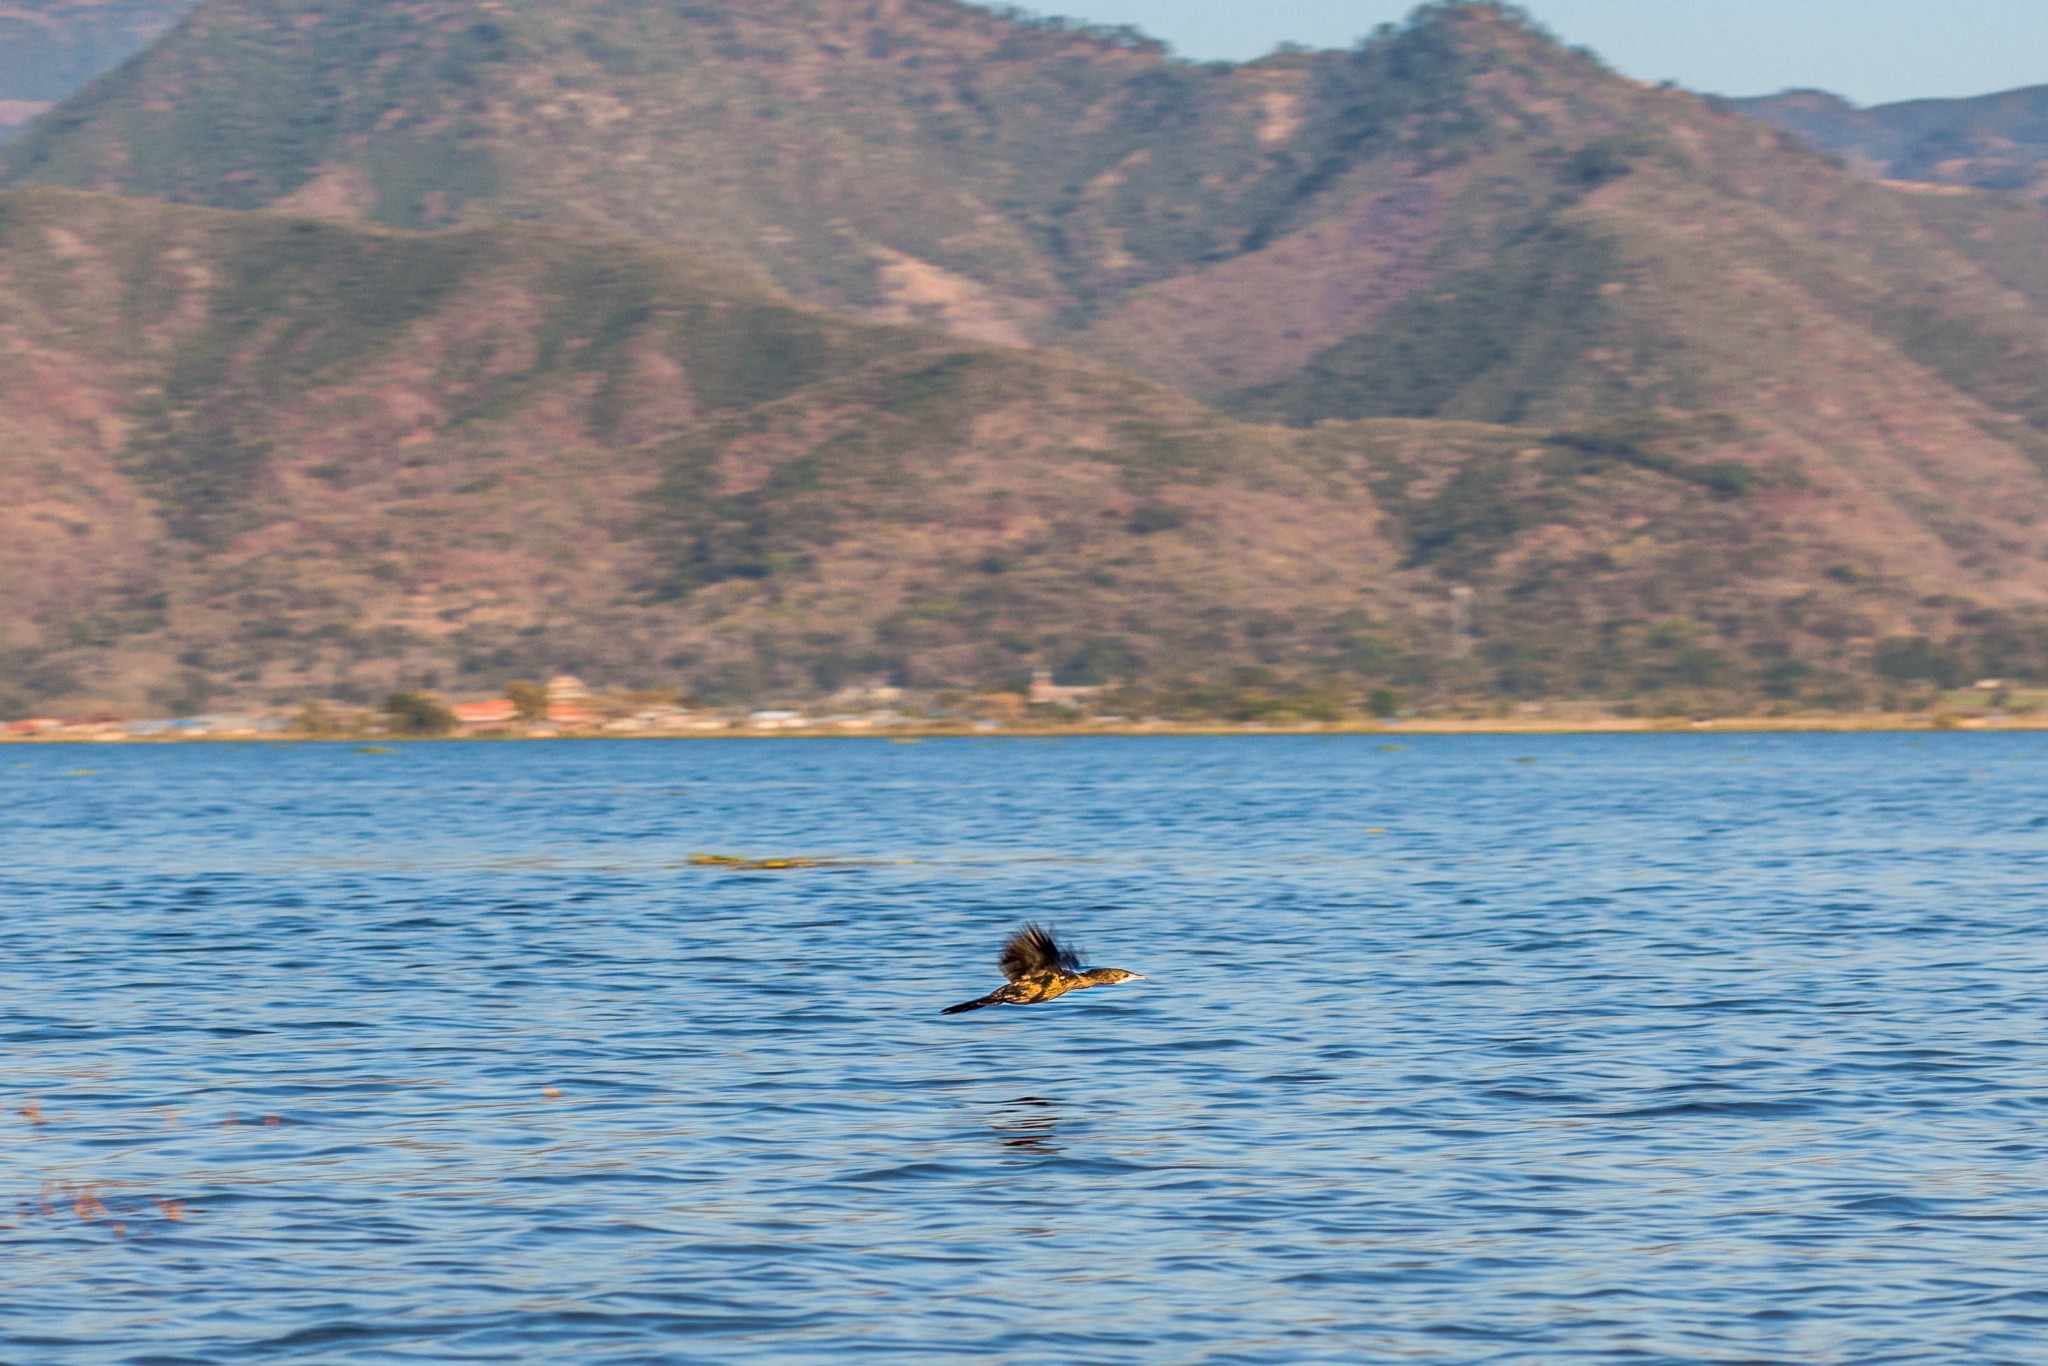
x=1109, y=977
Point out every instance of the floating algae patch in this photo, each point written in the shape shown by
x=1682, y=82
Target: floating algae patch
x=740, y=864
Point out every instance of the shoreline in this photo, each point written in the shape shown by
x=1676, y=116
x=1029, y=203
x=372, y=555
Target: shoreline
x=1871, y=724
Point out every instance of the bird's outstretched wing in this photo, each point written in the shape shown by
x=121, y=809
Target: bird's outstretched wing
x=1033, y=949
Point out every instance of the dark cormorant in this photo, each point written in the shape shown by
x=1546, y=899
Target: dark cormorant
x=1041, y=969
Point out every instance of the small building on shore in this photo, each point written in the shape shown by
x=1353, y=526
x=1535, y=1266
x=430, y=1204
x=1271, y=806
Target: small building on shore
x=1045, y=692
x=499, y=711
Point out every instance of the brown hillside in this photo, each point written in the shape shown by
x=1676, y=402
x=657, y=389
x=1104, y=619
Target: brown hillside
x=1286, y=236
x=255, y=457
x=1692, y=411
x=251, y=457
x=907, y=160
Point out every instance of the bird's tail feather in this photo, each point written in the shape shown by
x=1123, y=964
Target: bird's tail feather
x=965, y=1006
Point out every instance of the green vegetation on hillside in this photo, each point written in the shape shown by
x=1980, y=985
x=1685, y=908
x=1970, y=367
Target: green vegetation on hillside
x=1495, y=343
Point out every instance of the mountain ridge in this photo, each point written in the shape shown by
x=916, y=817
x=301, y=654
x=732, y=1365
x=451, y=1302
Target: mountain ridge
x=1995, y=142
x=1688, y=410
x=919, y=160
x=1238, y=232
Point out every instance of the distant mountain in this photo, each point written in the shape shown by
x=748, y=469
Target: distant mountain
x=1686, y=405
x=251, y=457
x=910, y=159
x=1993, y=142
x=247, y=457
x=1461, y=219
x=50, y=48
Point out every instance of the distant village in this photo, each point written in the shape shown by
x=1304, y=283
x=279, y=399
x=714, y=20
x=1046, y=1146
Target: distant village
x=563, y=706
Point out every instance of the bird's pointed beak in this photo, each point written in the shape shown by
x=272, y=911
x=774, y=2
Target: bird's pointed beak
x=1138, y=977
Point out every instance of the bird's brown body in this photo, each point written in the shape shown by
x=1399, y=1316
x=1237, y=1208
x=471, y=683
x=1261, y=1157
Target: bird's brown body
x=1040, y=970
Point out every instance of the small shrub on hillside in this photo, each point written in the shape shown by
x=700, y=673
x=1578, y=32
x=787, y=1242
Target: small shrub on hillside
x=1786, y=678
x=1101, y=660
x=1916, y=659
x=413, y=713
x=1725, y=477
x=1156, y=517
x=531, y=698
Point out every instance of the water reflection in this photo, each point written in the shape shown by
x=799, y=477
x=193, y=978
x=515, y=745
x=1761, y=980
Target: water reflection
x=1030, y=1123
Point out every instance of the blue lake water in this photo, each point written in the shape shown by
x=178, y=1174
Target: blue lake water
x=1504, y=1050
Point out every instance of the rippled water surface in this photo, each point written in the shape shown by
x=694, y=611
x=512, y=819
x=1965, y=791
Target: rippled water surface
x=1624, y=1049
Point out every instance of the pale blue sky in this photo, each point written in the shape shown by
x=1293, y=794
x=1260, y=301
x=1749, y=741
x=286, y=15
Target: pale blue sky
x=1873, y=51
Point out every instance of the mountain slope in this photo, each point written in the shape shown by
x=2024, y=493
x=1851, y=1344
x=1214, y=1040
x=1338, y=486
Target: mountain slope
x=1686, y=407
x=1273, y=235
x=1991, y=142
x=251, y=457
x=926, y=160
x=256, y=457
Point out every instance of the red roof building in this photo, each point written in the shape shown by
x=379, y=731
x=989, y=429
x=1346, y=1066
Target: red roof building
x=495, y=712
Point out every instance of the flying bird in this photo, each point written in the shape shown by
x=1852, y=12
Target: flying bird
x=1041, y=969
